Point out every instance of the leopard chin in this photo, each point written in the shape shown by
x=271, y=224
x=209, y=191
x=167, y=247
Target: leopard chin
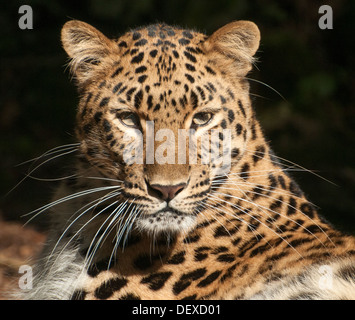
x=167, y=221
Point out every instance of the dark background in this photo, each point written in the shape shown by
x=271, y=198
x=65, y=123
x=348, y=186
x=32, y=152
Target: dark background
x=314, y=126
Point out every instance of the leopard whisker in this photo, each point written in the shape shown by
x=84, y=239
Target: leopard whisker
x=251, y=173
x=123, y=231
x=255, y=185
x=237, y=207
x=96, y=203
x=237, y=180
x=256, y=233
x=93, y=248
x=73, y=196
x=215, y=217
x=232, y=214
x=121, y=224
x=50, y=152
x=280, y=190
x=119, y=217
x=130, y=226
x=40, y=210
x=52, y=179
x=29, y=174
x=242, y=183
x=78, y=231
x=103, y=179
x=282, y=215
x=292, y=163
x=266, y=85
x=259, y=96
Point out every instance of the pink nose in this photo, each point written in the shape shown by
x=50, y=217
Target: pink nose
x=167, y=193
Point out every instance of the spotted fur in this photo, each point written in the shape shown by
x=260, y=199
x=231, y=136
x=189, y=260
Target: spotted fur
x=180, y=231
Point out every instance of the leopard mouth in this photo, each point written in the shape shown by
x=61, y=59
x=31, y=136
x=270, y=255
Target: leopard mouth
x=169, y=210
x=167, y=220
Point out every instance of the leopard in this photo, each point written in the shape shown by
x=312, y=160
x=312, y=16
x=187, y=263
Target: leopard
x=179, y=230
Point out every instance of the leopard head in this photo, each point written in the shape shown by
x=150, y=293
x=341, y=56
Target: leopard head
x=156, y=106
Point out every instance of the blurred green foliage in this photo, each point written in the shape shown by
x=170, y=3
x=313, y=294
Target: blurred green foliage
x=313, y=126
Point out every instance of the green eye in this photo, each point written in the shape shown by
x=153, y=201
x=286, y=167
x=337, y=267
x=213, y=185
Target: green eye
x=129, y=119
x=201, y=119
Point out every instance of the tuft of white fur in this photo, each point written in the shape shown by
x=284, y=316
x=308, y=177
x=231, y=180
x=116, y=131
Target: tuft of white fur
x=317, y=282
x=56, y=278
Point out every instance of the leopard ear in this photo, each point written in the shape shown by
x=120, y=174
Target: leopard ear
x=234, y=45
x=88, y=49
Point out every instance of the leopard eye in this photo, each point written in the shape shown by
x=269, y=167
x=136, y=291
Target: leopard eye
x=129, y=119
x=201, y=119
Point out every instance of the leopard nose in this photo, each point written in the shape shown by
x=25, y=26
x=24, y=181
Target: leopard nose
x=167, y=193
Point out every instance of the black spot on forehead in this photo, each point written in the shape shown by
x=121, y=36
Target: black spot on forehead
x=138, y=99
x=230, y=116
x=141, y=42
x=210, y=70
x=190, y=78
x=187, y=34
x=131, y=52
x=129, y=93
x=117, y=72
x=184, y=41
x=141, y=79
x=152, y=29
x=138, y=58
x=189, y=56
x=104, y=101
x=153, y=53
x=190, y=67
x=157, y=107
x=165, y=37
x=170, y=32
x=141, y=69
x=193, y=99
x=136, y=35
x=162, y=33
x=123, y=44
x=176, y=54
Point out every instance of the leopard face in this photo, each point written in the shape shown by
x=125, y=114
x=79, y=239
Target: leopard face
x=207, y=229
x=141, y=92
